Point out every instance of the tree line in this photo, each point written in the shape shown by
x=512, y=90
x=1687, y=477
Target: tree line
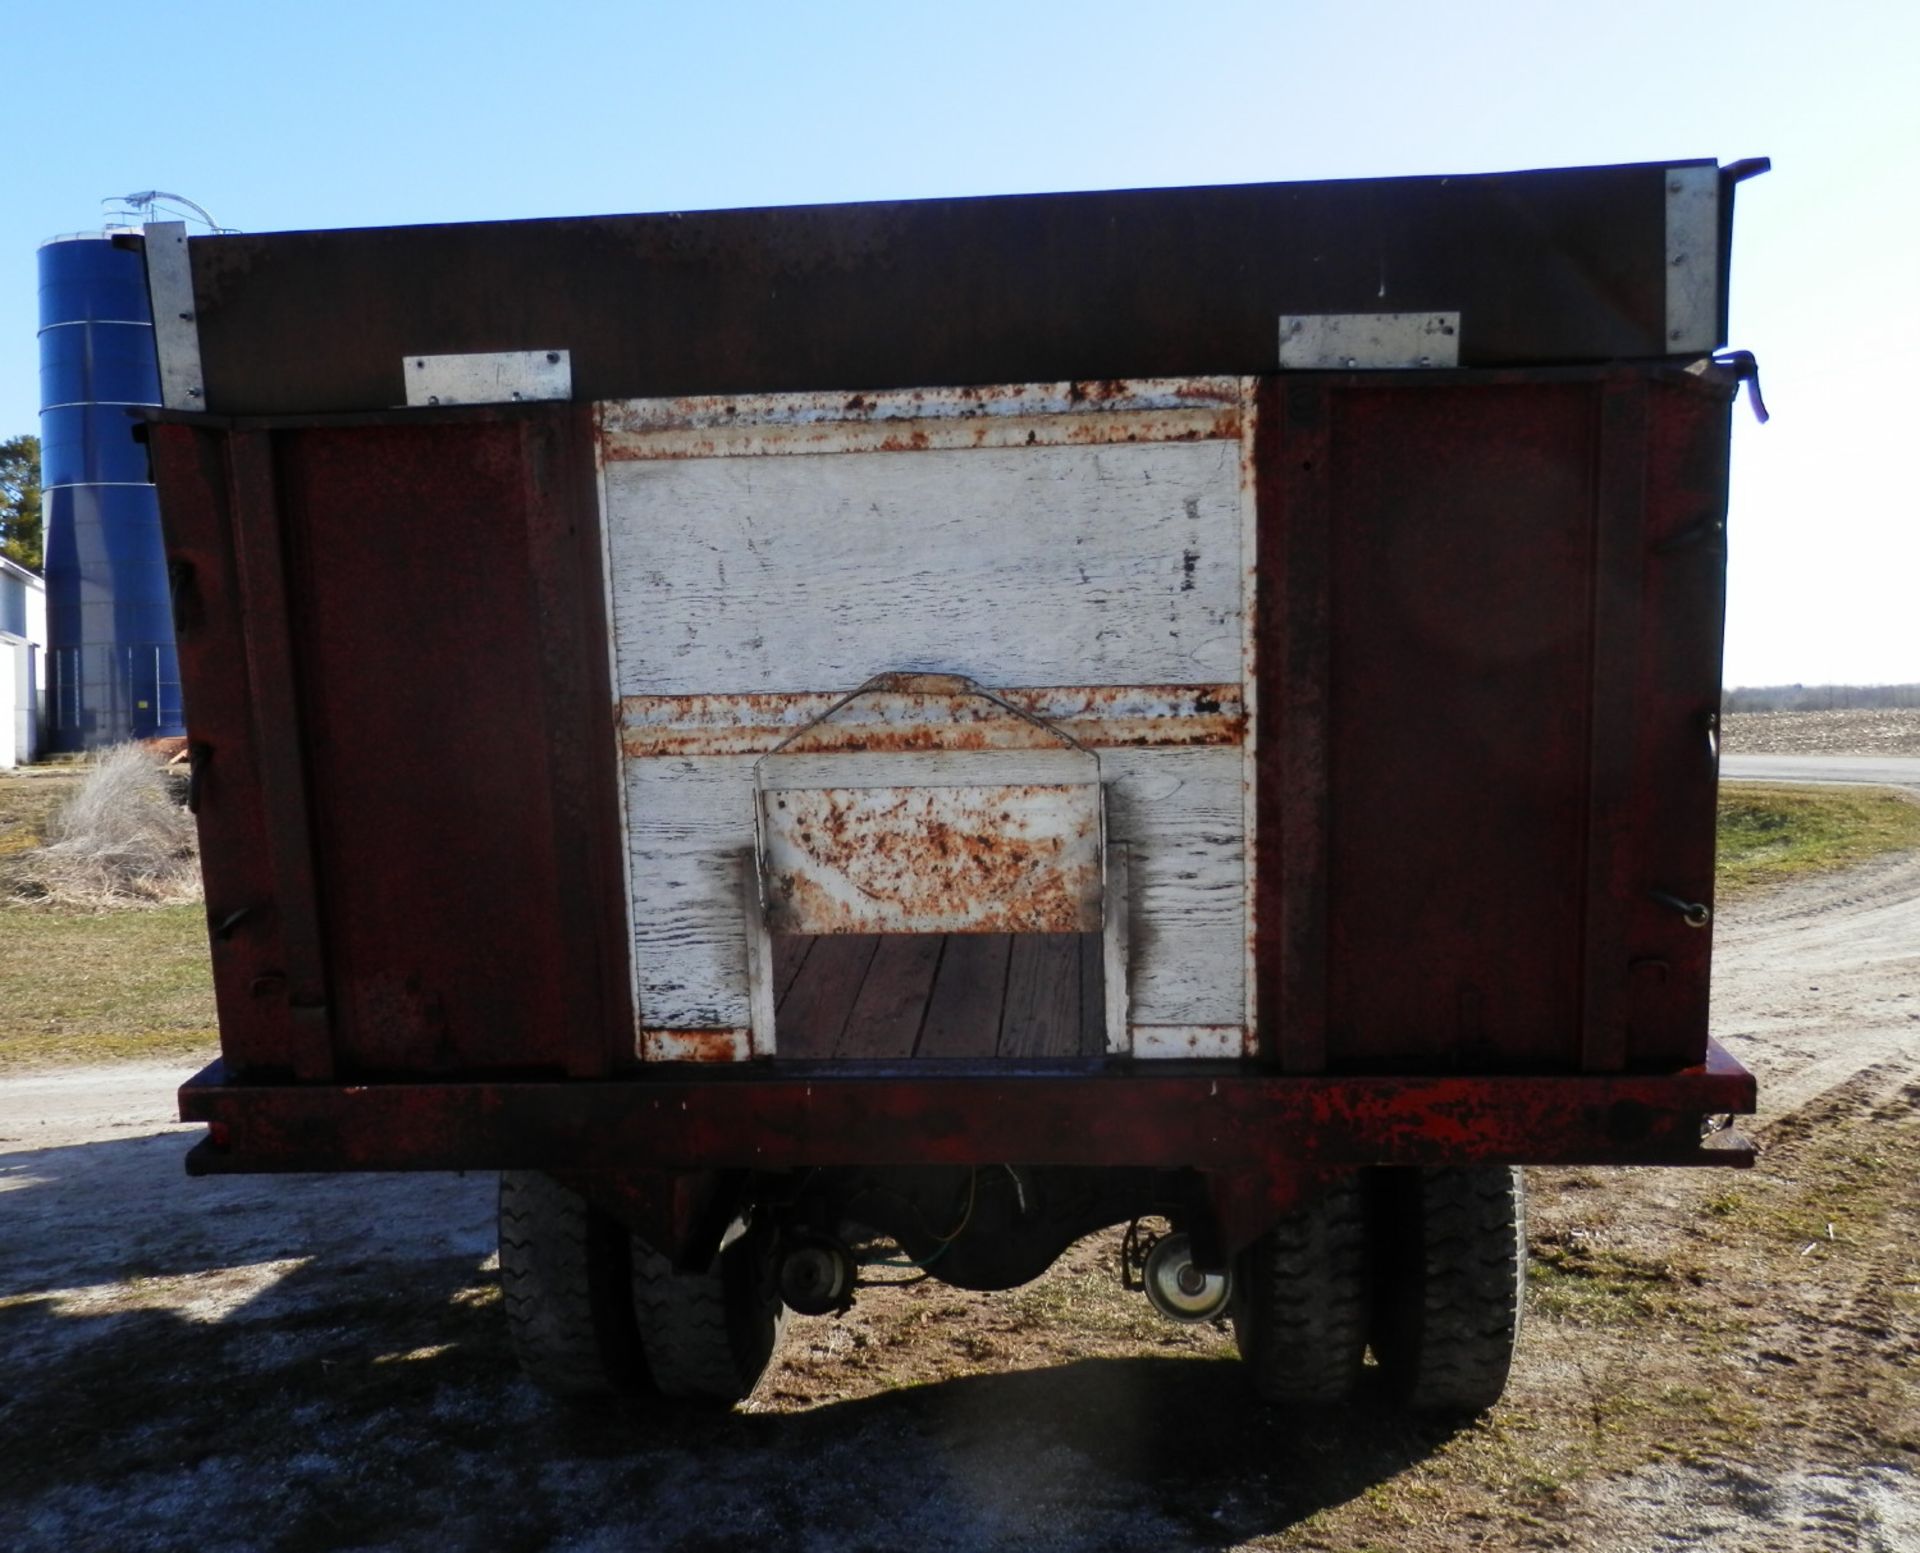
x=22, y=539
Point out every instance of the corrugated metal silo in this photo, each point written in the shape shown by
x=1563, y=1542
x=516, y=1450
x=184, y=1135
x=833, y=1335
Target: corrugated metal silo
x=112, y=672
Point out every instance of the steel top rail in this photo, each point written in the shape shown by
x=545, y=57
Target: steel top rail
x=1539, y=268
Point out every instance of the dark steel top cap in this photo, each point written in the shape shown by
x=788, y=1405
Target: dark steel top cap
x=1555, y=267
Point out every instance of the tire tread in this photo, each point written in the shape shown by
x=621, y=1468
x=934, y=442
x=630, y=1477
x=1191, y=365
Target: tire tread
x=1300, y=1301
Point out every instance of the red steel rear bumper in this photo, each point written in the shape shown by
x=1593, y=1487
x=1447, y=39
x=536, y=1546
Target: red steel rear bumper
x=1224, y=1117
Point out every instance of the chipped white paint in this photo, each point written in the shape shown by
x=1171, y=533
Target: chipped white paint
x=1180, y=814
x=929, y=768
x=1168, y=1042
x=1096, y=582
x=1028, y=566
x=1020, y=415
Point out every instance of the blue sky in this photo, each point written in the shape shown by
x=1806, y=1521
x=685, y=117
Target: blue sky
x=348, y=114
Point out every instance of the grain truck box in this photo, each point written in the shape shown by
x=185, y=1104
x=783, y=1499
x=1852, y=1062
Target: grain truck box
x=931, y=729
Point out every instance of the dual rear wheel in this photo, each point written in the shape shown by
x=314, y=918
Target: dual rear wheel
x=1427, y=1267
x=593, y=1310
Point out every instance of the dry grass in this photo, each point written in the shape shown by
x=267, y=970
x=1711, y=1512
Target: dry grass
x=1771, y=833
x=120, y=840
x=78, y=988
x=82, y=983
x=30, y=796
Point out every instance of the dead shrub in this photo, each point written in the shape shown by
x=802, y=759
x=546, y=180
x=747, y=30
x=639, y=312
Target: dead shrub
x=120, y=840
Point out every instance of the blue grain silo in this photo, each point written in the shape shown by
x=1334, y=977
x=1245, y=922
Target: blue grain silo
x=112, y=673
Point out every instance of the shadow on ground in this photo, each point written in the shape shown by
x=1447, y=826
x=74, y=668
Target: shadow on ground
x=359, y=1393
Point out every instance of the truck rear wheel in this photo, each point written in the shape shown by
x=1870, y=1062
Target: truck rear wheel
x=709, y=1336
x=564, y=1277
x=1451, y=1257
x=1300, y=1301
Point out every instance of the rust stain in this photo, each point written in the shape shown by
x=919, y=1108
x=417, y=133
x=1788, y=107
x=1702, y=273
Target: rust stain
x=1091, y=412
x=1016, y=859
x=726, y=1045
x=917, y=713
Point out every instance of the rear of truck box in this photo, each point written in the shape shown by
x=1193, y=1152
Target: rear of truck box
x=965, y=723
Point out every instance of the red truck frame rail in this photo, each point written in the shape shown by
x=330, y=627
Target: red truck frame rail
x=1209, y=1117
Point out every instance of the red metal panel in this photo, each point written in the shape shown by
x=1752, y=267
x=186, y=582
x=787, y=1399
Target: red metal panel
x=1489, y=653
x=1677, y=667
x=425, y=639
x=246, y=932
x=259, y=541
x=423, y=559
x=1208, y=1116
x=1613, y=860
x=1291, y=664
x=575, y=690
x=1460, y=582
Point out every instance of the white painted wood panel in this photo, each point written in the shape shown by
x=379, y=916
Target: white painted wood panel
x=1180, y=813
x=691, y=828
x=690, y=838
x=1116, y=564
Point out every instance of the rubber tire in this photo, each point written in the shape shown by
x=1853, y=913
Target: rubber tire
x=1451, y=1258
x=708, y=1337
x=1300, y=1301
x=564, y=1279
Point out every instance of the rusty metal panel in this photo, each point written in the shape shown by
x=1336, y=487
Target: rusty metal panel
x=895, y=718
x=961, y=859
x=730, y=1045
x=923, y=420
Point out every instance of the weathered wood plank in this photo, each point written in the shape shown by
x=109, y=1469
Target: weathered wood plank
x=790, y=952
x=1042, y=1017
x=930, y=768
x=1182, y=816
x=821, y=998
x=689, y=837
x=1026, y=566
x=963, y=1019
x=892, y=1002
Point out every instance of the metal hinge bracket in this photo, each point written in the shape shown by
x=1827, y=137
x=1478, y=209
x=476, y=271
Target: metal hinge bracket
x=1333, y=342
x=488, y=377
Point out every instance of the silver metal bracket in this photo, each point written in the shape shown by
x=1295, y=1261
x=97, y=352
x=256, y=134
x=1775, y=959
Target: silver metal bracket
x=176, y=321
x=1332, y=342
x=1693, y=260
x=488, y=377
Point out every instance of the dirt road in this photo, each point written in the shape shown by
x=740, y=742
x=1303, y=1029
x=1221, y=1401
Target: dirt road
x=1879, y=770
x=318, y=1362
